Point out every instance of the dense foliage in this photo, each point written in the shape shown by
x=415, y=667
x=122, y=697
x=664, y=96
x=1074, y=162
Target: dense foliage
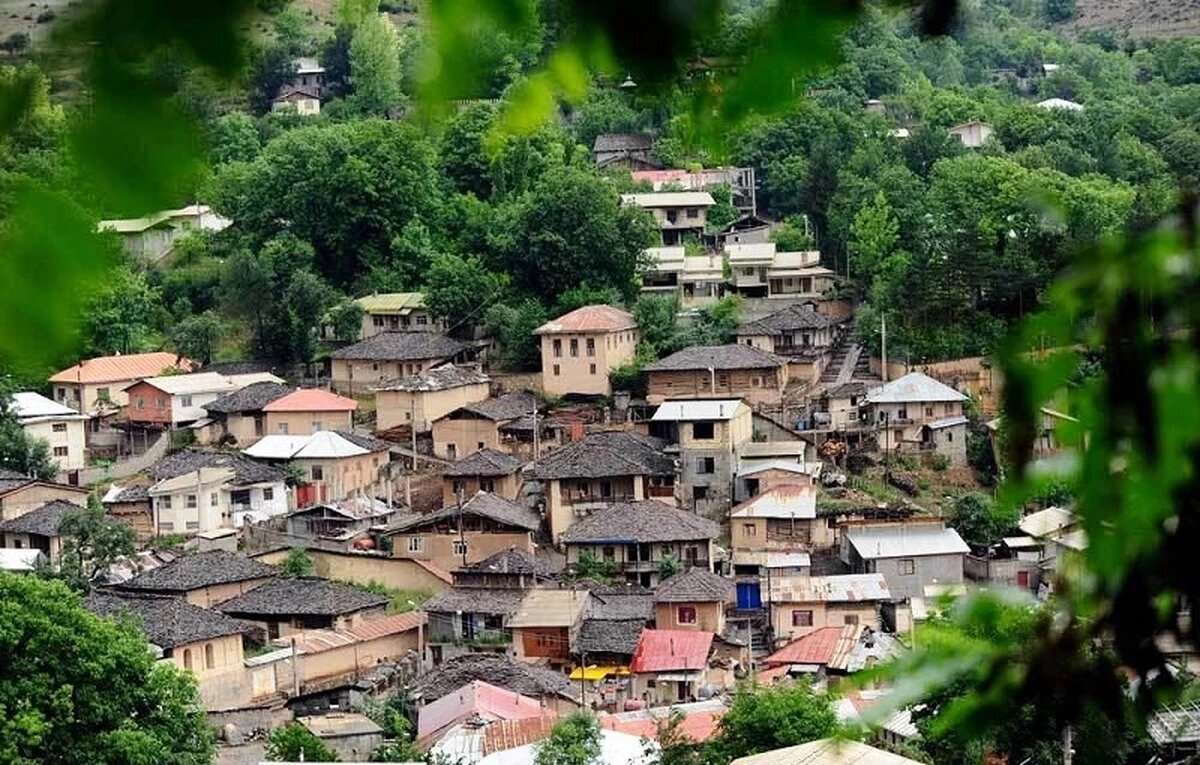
x=574, y=740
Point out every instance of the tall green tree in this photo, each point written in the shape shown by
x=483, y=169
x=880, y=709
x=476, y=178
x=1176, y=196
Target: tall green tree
x=873, y=236
x=574, y=740
x=198, y=336
x=761, y=719
x=460, y=290
x=375, y=66
x=91, y=542
x=296, y=743
x=119, y=318
x=19, y=451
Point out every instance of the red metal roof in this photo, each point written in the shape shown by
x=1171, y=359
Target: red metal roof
x=671, y=650
x=817, y=647
x=509, y=734
x=389, y=625
x=698, y=726
x=312, y=400
x=477, y=699
x=590, y=318
x=133, y=366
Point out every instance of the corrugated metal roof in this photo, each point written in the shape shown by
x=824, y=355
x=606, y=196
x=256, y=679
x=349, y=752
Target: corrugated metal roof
x=782, y=501
x=28, y=406
x=477, y=699
x=750, y=467
x=799, y=259
x=207, y=382
x=589, y=318
x=947, y=422
x=773, y=559
x=324, y=444
x=134, y=366
x=391, y=302
x=905, y=540
x=312, y=400
x=827, y=751
x=669, y=199
x=914, y=387
x=1047, y=522
x=550, y=608
x=396, y=624
x=843, y=588
x=817, y=647
x=699, y=720
x=671, y=650
x=683, y=411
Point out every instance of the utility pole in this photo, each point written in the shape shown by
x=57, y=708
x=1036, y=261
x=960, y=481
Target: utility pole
x=412, y=427
x=536, y=440
x=462, y=542
x=883, y=346
x=582, y=678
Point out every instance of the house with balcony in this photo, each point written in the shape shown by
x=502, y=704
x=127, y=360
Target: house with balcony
x=396, y=312
x=718, y=371
x=481, y=425
x=918, y=413
x=797, y=333
x=801, y=605
x=173, y=401
x=546, y=626
x=748, y=267
x=39, y=529
x=639, y=539
x=485, y=470
x=599, y=469
x=680, y=215
x=696, y=280
x=580, y=348
x=799, y=275
x=195, y=490
x=708, y=436
x=661, y=270
x=390, y=355
x=335, y=465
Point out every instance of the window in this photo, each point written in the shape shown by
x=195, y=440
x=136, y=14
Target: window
x=685, y=615
x=316, y=426
x=592, y=369
x=706, y=465
x=460, y=547
x=755, y=382
x=907, y=566
x=190, y=502
x=377, y=321
x=702, y=431
x=902, y=414
x=416, y=544
x=185, y=400
x=929, y=411
x=692, y=212
x=458, y=487
x=949, y=436
x=452, y=449
x=606, y=488
x=214, y=499
x=947, y=408
x=487, y=484
x=557, y=349
x=140, y=403
x=556, y=370
x=161, y=402
x=166, y=528
x=672, y=216
x=318, y=473
x=268, y=494
x=164, y=503
x=283, y=428
x=60, y=451
x=591, y=346
x=850, y=619
x=802, y=618
x=574, y=347
x=479, y=445
x=750, y=529
x=193, y=525
x=699, y=492
x=59, y=427
x=422, y=320
x=187, y=658
x=609, y=553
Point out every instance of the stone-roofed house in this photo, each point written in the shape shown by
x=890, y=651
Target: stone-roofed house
x=637, y=537
x=336, y=465
x=203, y=579
x=695, y=599
x=917, y=413
x=550, y=687
x=389, y=355
x=39, y=529
x=343, y=520
x=507, y=569
x=20, y=494
x=480, y=425
x=428, y=396
x=485, y=470
x=238, y=417
x=454, y=536
x=470, y=619
x=717, y=371
x=611, y=629
x=599, y=469
x=630, y=151
x=581, y=348
x=546, y=625
x=130, y=505
x=283, y=606
x=799, y=334
x=205, y=643
x=199, y=490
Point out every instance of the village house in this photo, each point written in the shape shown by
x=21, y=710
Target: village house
x=708, y=436
x=203, y=579
x=476, y=426
x=96, y=385
x=389, y=355
x=909, y=555
x=642, y=538
x=396, y=312
x=797, y=333
x=457, y=536
x=309, y=410
x=718, y=371
x=285, y=606
x=670, y=666
x=342, y=520
x=172, y=401
x=661, y=269
x=599, y=469
x=426, y=397
x=474, y=703
x=470, y=619
x=23, y=561
x=842, y=404
x=197, y=490
x=828, y=653
x=580, y=348
x=38, y=529
x=800, y=605
x=972, y=135
x=308, y=73
x=631, y=151
x=204, y=643
x=758, y=269
x=550, y=687
x=62, y=428
x=303, y=101
x=918, y=413
x=485, y=470
x=20, y=494
x=1056, y=431
x=750, y=228
x=152, y=238
x=741, y=182
x=508, y=569
x=546, y=625
x=335, y=465
x=695, y=280
x=679, y=215
x=610, y=631
x=765, y=464
x=781, y=518
x=130, y=505
x=695, y=599
x=238, y=417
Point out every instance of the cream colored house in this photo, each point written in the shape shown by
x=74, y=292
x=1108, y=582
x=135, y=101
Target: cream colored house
x=708, y=436
x=485, y=470
x=202, y=578
x=482, y=426
x=20, y=494
x=695, y=599
x=152, y=238
x=303, y=101
x=396, y=312
x=61, y=427
x=99, y=384
x=309, y=410
x=197, y=490
x=678, y=214
x=335, y=465
x=580, y=348
x=38, y=529
x=801, y=604
x=390, y=355
x=973, y=135
x=427, y=397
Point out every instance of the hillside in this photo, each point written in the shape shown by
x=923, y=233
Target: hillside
x=1139, y=18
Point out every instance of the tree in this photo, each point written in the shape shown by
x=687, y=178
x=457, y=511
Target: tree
x=298, y=563
x=198, y=336
x=590, y=567
x=119, y=316
x=296, y=743
x=459, y=290
x=464, y=159
x=15, y=44
x=979, y=521
x=19, y=451
x=723, y=212
x=234, y=138
x=791, y=235
x=374, y=66
x=346, y=319
x=271, y=69
x=76, y=688
x=1060, y=10
x=873, y=236
x=656, y=320
x=513, y=329
x=761, y=719
x=91, y=542
x=574, y=740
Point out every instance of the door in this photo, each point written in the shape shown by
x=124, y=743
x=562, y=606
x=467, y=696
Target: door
x=1023, y=579
x=748, y=595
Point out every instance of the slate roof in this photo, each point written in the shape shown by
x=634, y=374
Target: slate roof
x=252, y=398
x=510, y=406
x=306, y=596
x=788, y=320
x=610, y=635
x=497, y=669
x=202, y=569
x=166, y=621
x=717, y=357
x=623, y=142
x=475, y=600
x=510, y=561
x=445, y=377
x=485, y=462
x=43, y=521
x=696, y=585
x=245, y=470
x=401, y=346
x=642, y=521
x=484, y=504
x=11, y=479
x=589, y=318
x=621, y=602
x=607, y=453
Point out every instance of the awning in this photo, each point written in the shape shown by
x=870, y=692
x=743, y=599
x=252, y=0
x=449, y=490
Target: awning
x=678, y=677
x=595, y=672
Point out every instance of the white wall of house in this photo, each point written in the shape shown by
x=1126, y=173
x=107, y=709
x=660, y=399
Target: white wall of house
x=65, y=437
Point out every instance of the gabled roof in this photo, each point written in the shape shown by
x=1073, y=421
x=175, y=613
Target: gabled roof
x=391, y=302
x=844, y=588
x=485, y=462
x=498, y=669
x=510, y=561
x=817, y=647
x=550, y=608
x=643, y=521
x=245, y=470
x=251, y=398
x=401, y=346
x=204, y=382
x=623, y=142
x=43, y=521
x=31, y=406
x=827, y=751
x=781, y=501
x=120, y=368
x=311, y=400
x=903, y=540
x=510, y=406
x=1047, y=522
x=475, y=600
x=302, y=596
x=696, y=585
x=324, y=444
x=671, y=650
x=484, y=505
x=166, y=621
x=669, y=199
x=622, y=602
x=606, y=453
x=689, y=410
x=790, y=319
x=589, y=318
x=445, y=377
x=476, y=699
x=913, y=388
x=620, y=636
x=197, y=570
x=716, y=357
x=1060, y=103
